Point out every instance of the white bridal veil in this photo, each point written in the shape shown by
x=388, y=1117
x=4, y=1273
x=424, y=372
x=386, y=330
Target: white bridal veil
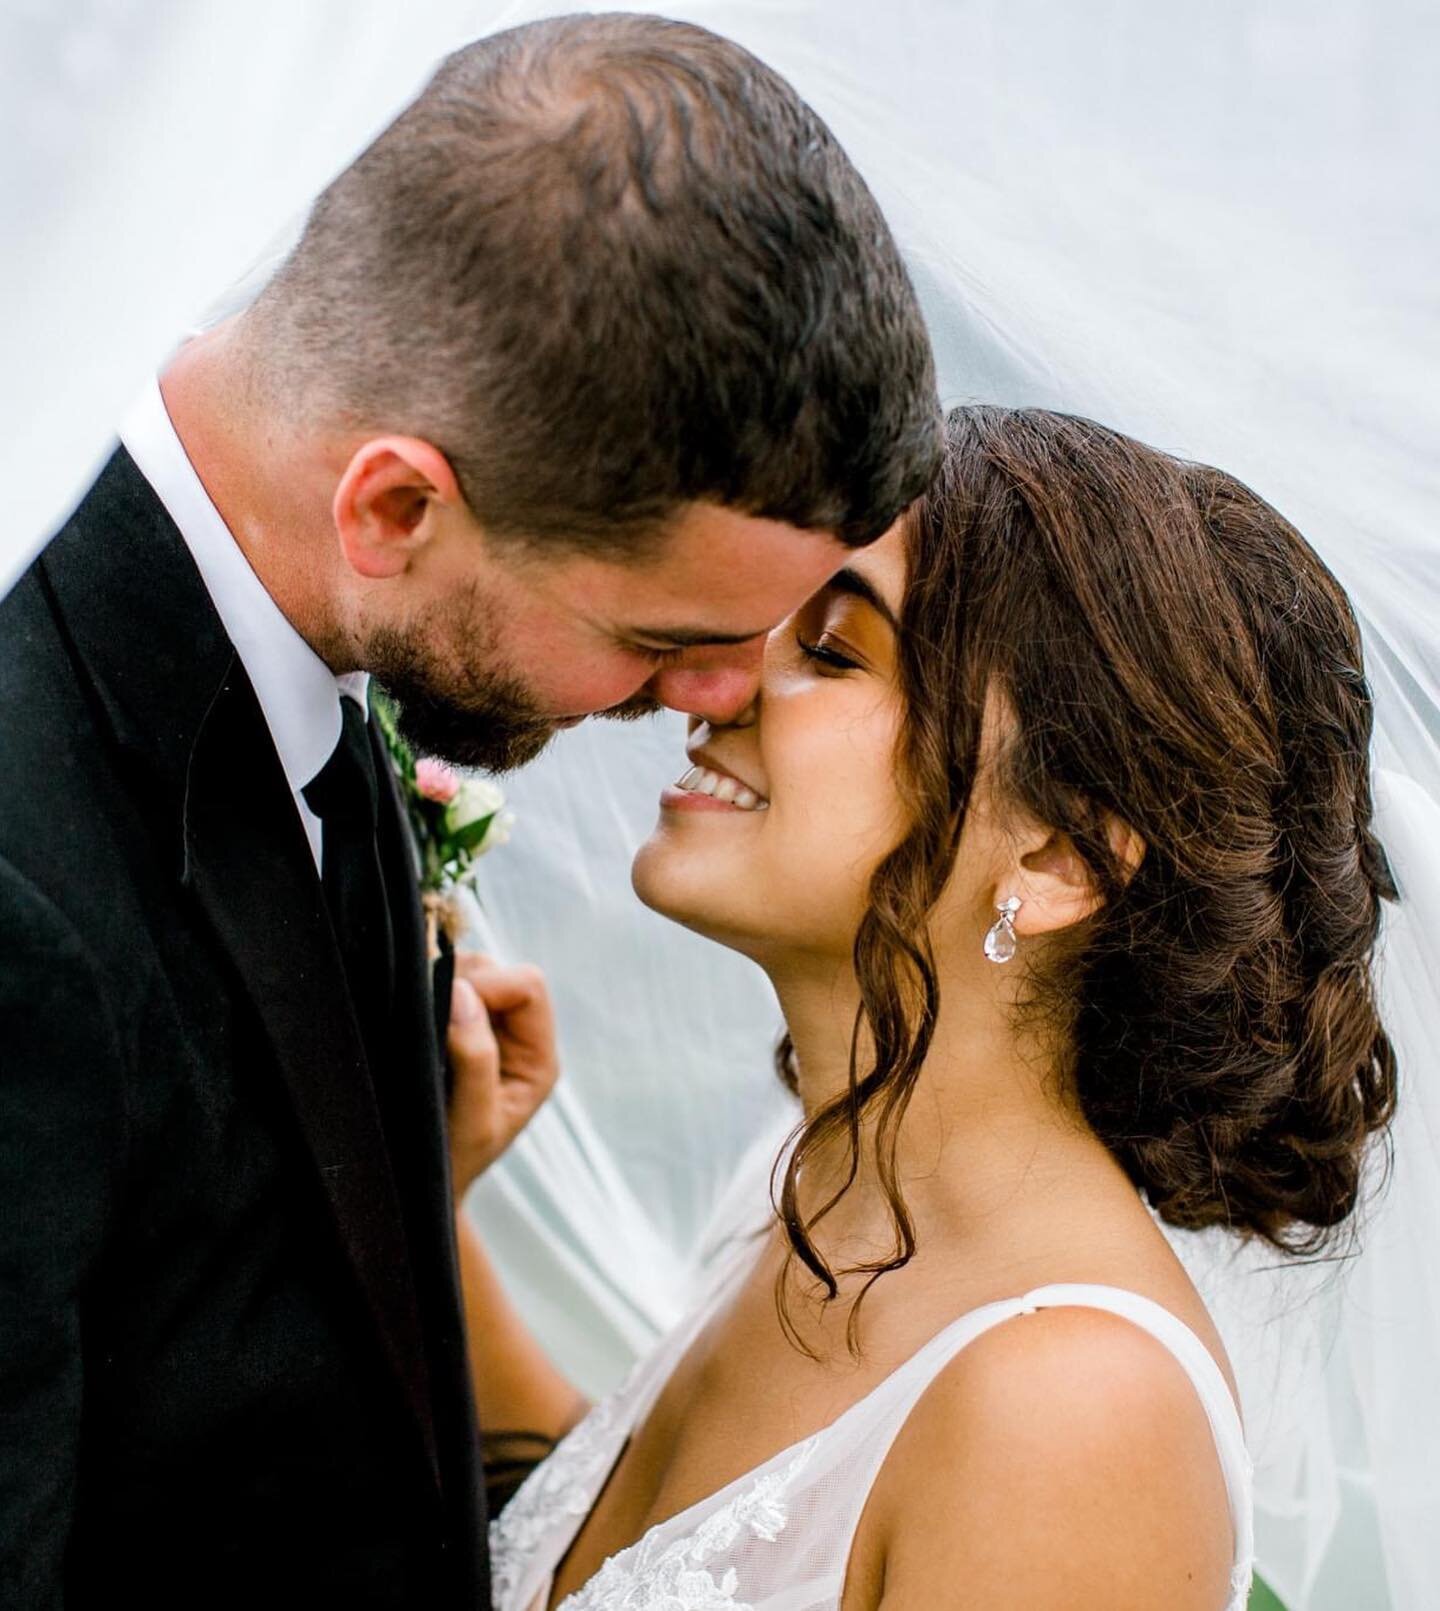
x=1214, y=227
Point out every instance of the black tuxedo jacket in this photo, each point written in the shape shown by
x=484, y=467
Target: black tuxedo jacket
x=232, y=1363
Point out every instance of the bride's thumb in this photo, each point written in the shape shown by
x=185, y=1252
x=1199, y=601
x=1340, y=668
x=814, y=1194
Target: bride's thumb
x=471, y=1037
x=465, y=1006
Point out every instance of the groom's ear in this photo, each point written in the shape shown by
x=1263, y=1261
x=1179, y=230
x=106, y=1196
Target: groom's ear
x=387, y=500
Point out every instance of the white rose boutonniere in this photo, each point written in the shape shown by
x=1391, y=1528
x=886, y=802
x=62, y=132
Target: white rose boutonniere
x=476, y=816
x=456, y=819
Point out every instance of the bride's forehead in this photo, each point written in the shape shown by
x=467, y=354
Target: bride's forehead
x=884, y=565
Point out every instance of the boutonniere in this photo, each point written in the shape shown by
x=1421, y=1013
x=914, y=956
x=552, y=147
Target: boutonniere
x=455, y=818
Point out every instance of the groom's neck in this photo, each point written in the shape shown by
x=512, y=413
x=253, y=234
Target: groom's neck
x=270, y=481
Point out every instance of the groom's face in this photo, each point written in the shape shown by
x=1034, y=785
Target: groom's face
x=489, y=648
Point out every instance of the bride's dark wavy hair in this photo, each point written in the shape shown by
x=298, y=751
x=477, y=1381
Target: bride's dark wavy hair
x=1174, y=655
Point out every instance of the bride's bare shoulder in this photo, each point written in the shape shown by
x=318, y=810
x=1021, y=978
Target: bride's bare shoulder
x=1064, y=1457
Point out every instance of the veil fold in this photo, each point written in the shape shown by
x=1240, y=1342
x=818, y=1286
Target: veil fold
x=1212, y=228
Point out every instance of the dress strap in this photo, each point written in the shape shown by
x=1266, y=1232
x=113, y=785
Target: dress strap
x=1193, y=1356
x=910, y=1381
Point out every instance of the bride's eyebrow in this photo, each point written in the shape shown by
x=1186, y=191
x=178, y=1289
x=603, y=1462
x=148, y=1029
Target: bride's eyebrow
x=855, y=585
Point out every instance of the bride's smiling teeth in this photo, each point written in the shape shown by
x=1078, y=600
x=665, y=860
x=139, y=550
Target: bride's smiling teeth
x=701, y=780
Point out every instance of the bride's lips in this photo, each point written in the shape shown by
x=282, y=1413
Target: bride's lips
x=709, y=786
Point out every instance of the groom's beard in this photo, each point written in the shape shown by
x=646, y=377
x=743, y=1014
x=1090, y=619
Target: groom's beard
x=444, y=705
x=490, y=720
x=497, y=731
x=632, y=710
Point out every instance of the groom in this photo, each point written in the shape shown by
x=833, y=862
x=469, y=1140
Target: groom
x=583, y=376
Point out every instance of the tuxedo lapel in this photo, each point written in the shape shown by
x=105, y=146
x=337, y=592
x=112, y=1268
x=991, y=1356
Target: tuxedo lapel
x=429, y=1199
x=249, y=864
x=178, y=700
x=415, y=1040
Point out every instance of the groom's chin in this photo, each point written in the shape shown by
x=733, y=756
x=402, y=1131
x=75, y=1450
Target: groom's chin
x=497, y=752
x=473, y=742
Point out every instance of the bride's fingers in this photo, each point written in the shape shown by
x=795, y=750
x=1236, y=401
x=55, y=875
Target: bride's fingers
x=517, y=1000
x=500, y=980
x=471, y=1043
x=468, y=961
x=477, y=1129
x=502, y=1051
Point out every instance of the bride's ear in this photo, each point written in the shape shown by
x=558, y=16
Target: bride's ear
x=1054, y=883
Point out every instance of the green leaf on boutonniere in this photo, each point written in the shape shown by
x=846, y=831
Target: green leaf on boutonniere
x=472, y=835
x=400, y=752
x=455, y=818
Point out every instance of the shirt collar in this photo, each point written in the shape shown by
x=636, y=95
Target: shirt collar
x=298, y=693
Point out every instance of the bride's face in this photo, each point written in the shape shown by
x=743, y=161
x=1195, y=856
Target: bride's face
x=768, y=840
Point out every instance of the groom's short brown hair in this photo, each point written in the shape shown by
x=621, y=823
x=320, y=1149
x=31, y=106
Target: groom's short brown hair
x=611, y=265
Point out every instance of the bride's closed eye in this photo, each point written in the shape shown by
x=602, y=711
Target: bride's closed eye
x=842, y=632
x=848, y=629
x=830, y=653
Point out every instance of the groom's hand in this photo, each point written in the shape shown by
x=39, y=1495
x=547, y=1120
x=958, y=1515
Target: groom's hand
x=502, y=1051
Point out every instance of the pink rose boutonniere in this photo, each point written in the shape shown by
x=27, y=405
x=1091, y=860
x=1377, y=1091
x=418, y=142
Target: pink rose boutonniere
x=455, y=817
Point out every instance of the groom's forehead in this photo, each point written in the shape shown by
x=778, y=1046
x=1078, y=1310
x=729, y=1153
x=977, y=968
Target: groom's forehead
x=722, y=576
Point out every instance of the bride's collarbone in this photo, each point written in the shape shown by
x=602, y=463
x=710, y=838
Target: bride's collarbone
x=751, y=1385
x=748, y=1387
x=741, y=1394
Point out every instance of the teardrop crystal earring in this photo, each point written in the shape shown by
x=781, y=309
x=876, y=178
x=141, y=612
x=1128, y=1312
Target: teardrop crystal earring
x=1000, y=941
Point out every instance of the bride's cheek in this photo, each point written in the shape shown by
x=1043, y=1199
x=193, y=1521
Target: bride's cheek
x=881, y=815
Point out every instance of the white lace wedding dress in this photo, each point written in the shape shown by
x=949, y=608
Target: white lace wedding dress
x=778, y=1538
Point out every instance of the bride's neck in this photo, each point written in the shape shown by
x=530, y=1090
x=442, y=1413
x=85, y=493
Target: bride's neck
x=988, y=1120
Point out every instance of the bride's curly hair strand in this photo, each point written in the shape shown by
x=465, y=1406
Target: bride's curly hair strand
x=1175, y=657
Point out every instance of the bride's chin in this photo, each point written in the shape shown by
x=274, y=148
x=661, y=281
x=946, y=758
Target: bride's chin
x=671, y=881
x=658, y=876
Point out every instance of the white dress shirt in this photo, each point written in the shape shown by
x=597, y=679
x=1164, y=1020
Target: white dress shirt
x=298, y=693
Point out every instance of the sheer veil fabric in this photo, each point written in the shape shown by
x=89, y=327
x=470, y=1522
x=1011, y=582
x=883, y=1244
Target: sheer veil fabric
x=1214, y=229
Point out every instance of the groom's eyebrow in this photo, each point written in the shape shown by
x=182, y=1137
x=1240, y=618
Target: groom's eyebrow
x=862, y=588
x=845, y=581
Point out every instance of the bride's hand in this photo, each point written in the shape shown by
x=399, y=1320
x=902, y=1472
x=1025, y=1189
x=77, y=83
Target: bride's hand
x=502, y=1051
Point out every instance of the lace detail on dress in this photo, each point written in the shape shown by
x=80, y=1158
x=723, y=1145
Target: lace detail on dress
x=1242, y=1574
x=655, y=1576
x=778, y=1538
x=561, y=1488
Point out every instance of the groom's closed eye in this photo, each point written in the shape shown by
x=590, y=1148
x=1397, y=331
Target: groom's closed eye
x=676, y=640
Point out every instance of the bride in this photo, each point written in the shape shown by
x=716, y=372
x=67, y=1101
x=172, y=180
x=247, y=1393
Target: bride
x=1051, y=826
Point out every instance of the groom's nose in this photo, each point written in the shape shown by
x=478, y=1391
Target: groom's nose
x=716, y=685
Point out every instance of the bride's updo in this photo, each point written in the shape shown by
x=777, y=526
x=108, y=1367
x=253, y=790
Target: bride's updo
x=1173, y=654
